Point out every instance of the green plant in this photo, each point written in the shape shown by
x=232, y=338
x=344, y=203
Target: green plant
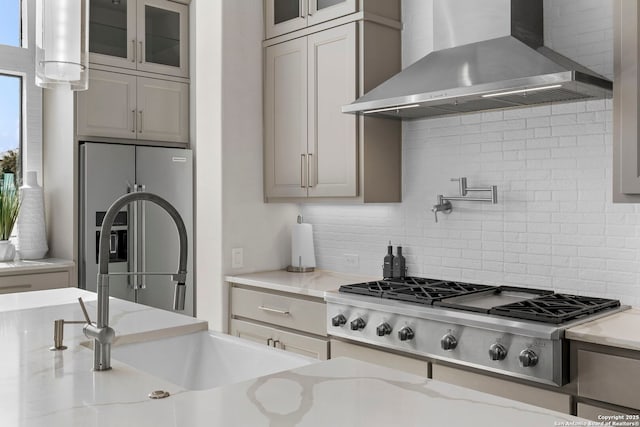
x=9, y=208
x=9, y=162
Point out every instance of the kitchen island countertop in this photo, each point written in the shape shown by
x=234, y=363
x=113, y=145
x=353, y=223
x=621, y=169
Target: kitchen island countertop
x=43, y=388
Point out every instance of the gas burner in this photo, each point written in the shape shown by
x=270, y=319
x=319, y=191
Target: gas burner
x=414, y=289
x=555, y=308
x=435, y=291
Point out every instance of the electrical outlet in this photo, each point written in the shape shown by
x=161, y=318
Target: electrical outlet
x=237, y=258
x=352, y=260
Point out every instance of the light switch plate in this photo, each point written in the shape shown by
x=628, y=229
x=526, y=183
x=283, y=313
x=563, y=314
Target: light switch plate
x=237, y=258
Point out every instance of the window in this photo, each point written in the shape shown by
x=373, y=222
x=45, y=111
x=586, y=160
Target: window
x=20, y=98
x=10, y=123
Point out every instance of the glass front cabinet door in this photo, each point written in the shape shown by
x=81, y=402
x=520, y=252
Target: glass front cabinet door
x=145, y=35
x=285, y=16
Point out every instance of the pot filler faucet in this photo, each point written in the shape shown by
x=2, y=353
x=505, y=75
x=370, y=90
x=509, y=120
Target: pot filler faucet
x=101, y=333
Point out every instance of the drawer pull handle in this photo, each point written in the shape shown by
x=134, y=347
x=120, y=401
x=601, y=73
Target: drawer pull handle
x=274, y=310
x=269, y=341
x=275, y=344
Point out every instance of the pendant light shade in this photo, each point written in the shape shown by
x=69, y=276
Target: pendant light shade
x=62, y=44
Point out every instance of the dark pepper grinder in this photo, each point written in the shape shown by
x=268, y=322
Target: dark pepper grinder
x=387, y=268
x=399, y=264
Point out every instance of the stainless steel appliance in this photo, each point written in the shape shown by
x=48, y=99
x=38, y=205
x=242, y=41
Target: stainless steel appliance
x=487, y=54
x=508, y=330
x=143, y=236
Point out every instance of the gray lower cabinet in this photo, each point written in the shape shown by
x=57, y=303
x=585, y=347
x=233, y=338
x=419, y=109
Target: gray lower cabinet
x=125, y=106
x=608, y=381
x=10, y=283
x=626, y=103
x=537, y=396
x=287, y=321
x=384, y=358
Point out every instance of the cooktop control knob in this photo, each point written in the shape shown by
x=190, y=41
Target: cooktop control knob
x=338, y=320
x=358, y=324
x=406, y=333
x=383, y=329
x=448, y=342
x=497, y=352
x=528, y=358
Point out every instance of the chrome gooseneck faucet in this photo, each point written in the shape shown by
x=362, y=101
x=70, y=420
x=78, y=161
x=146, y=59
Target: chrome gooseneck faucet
x=101, y=333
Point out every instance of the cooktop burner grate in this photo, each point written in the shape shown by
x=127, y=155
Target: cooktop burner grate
x=555, y=308
x=414, y=289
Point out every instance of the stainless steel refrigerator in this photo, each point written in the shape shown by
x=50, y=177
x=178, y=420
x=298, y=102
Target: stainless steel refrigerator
x=144, y=237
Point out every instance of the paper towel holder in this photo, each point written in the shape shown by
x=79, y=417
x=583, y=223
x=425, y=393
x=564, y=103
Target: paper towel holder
x=300, y=268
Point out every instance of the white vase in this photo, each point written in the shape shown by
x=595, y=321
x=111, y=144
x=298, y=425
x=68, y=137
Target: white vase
x=7, y=251
x=32, y=235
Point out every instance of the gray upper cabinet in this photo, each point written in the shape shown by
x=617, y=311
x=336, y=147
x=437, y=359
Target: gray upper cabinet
x=312, y=151
x=285, y=16
x=119, y=105
x=145, y=35
x=626, y=100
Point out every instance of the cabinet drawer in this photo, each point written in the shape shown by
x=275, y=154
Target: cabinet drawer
x=302, y=315
x=608, y=378
x=524, y=393
x=316, y=348
x=383, y=358
x=33, y=282
x=593, y=412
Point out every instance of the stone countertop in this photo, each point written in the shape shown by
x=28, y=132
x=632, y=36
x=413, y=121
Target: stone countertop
x=34, y=266
x=59, y=389
x=313, y=284
x=617, y=330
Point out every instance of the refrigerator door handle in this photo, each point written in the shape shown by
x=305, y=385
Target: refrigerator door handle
x=131, y=233
x=143, y=239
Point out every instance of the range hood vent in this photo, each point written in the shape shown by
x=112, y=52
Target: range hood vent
x=473, y=70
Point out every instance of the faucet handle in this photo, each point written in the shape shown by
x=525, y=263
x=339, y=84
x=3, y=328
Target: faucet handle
x=84, y=311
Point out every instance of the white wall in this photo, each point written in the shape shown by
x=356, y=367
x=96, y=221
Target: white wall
x=554, y=227
x=228, y=140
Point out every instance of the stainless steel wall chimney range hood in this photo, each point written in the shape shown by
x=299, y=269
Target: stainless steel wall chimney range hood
x=488, y=54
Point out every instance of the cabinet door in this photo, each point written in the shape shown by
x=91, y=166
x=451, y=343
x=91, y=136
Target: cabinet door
x=332, y=135
x=163, y=110
x=285, y=115
x=295, y=343
x=284, y=16
x=163, y=37
x=108, y=107
x=112, y=33
x=324, y=10
x=382, y=358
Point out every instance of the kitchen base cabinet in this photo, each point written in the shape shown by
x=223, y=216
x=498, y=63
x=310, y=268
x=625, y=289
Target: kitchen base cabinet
x=378, y=357
x=596, y=412
x=607, y=377
x=511, y=390
x=34, y=282
x=296, y=343
x=288, y=321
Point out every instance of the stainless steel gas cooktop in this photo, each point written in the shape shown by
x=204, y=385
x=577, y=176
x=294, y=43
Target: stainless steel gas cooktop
x=509, y=330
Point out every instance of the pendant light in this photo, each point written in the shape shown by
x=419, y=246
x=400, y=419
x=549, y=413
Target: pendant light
x=62, y=44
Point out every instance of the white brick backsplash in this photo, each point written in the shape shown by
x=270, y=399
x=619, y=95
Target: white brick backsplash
x=554, y=226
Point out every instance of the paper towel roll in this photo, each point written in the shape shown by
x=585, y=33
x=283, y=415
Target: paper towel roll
x=302, y=252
